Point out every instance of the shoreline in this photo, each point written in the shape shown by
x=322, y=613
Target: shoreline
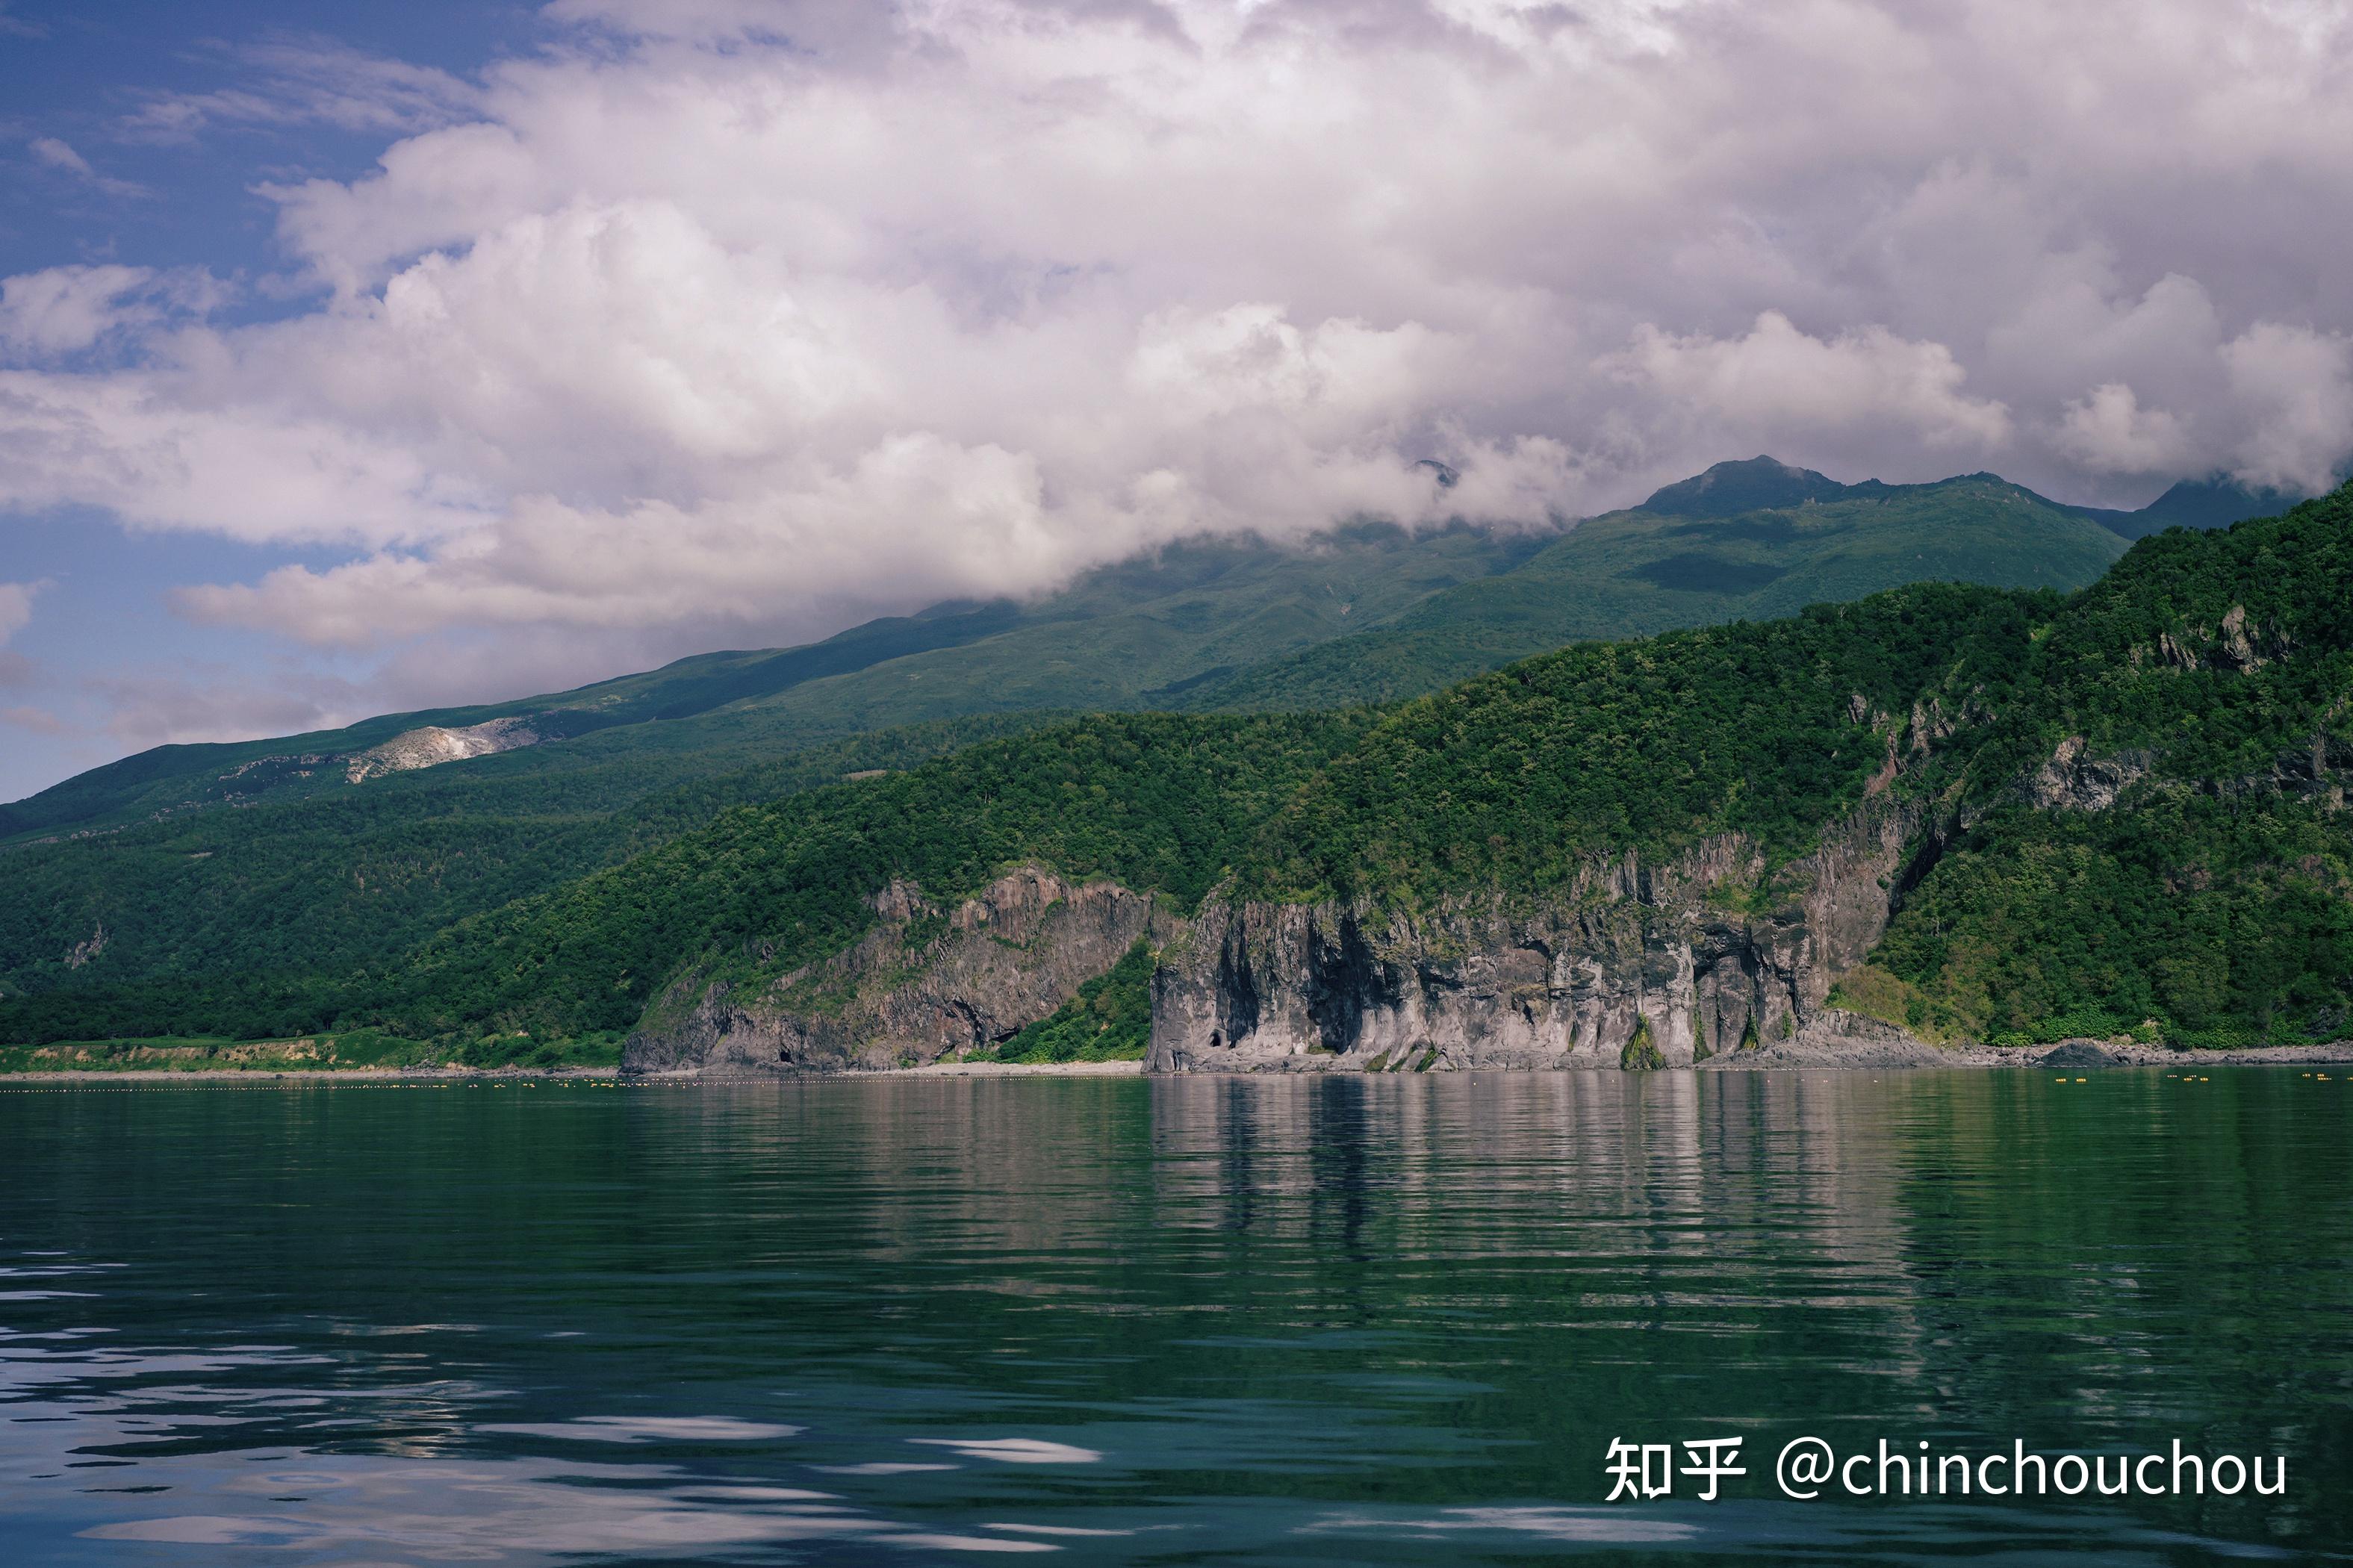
x=310, y=1075
x=1879, y=1054
x=448, y=1077
x=1842, y=1055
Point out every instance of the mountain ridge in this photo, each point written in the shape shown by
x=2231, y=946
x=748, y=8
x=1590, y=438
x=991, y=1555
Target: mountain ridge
x=1251, y=669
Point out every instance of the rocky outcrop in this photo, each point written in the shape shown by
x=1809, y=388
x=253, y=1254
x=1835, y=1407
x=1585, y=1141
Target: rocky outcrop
x=1831, y=1038
x=2237, y=644
x=2072, y=780
x=925, y=984
x=87, y=952
x=2078, y=1054
x=2319, y=772
x=1703, y=955
x=432, y=745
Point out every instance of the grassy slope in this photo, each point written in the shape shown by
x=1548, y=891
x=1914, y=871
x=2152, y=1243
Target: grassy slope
x=1110, y=1020
x=1108, y=641
x=1640, y=571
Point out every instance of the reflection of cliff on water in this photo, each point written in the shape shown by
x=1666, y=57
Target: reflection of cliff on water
x=1581, y=1202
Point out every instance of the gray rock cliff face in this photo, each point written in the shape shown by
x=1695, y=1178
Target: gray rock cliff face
x=925, y=983
x=431, y=746
x=1687, y=948
x=2073, y=781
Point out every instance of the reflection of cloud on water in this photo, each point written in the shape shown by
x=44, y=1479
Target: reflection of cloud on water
x=1596, y=1526
x=198, y=1530
x=70, y=1395
x=880, y=1467
x=1014, y=1450
x=647, y=1429
x=529, y=1508
x=1058, y=1529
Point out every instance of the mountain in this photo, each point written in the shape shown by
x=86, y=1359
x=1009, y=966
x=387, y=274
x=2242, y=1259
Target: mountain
x=1131, y=634
x=349, y=845
x=2215, y=501
x=1760, y=484
x=1744, y=541
x=1941, y=811
x=1201, y=626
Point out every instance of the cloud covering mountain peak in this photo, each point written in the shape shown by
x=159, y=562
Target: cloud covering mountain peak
x=715, y=320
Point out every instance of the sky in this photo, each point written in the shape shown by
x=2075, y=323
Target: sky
x=357, y=359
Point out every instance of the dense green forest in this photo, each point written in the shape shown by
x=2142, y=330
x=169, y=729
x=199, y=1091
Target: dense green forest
x=329, y=885
x=2214, y=900
x=504, y=912
x=1510, y=781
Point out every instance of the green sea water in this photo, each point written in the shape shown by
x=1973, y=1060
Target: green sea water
x=1120, y=1321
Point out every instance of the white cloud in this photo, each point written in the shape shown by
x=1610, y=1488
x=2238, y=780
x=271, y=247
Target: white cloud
x=311, y=80
x=58, y=154
x=2300, y=384
x=2110, y=431
x=265, y=472
x=17, y=606
x=722, y=320
x=1779, y=384
x=64, y=310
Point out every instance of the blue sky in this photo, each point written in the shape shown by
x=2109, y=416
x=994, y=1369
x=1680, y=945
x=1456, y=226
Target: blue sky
x=83, y=75
x=362, y=358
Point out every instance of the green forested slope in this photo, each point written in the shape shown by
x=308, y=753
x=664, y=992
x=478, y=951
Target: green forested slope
x=2216, y=896
x=328, y=885
x=1152, y=801
x=1768, y=729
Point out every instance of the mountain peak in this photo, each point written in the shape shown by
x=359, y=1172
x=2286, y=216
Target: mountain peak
x=1758, y=484
x=2217, y=500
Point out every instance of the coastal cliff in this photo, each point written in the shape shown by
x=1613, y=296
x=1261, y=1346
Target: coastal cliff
x=1636, y=964
x=925, y=983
